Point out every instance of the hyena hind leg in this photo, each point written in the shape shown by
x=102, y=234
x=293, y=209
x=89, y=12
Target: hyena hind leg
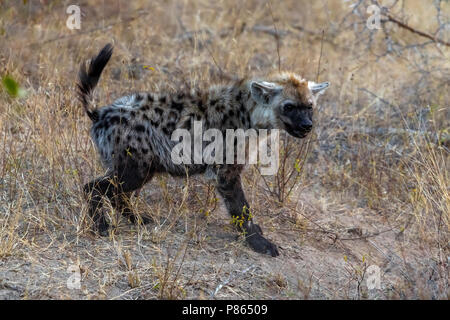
x=132, y=176
x=94, y=192
x=119, y=196
x=121, y=203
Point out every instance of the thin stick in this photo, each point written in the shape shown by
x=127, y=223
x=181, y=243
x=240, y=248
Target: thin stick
x=277, y=36
x=214, y=60
x=320, y=57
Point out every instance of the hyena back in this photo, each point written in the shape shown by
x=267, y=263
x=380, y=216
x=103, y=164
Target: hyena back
x=133, y=136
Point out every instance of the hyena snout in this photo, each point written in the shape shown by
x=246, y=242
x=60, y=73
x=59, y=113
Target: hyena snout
x=306, y=125
x=300, y=126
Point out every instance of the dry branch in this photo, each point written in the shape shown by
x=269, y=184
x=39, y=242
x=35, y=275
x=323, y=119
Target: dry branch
x=413, y=30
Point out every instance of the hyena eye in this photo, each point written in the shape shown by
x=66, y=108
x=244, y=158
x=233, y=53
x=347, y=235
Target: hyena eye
x=288, y=107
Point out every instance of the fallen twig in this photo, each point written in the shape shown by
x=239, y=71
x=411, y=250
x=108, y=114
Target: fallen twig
x=228, y=280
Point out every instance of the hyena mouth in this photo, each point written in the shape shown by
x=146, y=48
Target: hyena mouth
x=298, y=132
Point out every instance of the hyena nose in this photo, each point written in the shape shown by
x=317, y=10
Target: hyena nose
x=306, y=126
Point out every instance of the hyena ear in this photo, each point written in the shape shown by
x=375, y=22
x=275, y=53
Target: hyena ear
x=264, y=92
x=318, y=88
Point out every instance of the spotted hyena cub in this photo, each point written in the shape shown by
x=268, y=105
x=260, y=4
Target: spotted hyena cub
x=133, y=136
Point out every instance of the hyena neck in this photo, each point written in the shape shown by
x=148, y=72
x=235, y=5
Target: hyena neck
x=231, y=106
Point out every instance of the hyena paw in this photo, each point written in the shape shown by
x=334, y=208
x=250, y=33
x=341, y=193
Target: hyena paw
x=103, y=229
x=260, y=244
x=139, y=219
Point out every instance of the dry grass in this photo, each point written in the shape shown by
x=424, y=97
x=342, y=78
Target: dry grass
x=372, y=190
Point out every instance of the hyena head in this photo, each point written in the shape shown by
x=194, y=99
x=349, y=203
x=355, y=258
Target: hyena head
x=285, y=101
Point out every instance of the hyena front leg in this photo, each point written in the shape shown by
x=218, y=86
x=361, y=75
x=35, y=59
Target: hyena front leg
x=230, y=188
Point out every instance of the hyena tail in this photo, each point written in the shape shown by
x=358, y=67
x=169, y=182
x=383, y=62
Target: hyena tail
x=88, y=79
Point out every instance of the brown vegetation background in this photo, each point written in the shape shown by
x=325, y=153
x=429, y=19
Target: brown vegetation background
x=370, y=187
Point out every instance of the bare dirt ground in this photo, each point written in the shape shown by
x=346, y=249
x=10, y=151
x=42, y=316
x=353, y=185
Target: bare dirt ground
x=369, y=188
x=200, y=257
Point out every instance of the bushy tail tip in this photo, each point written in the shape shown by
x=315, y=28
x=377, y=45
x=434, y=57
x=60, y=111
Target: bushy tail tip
x=88, y=79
